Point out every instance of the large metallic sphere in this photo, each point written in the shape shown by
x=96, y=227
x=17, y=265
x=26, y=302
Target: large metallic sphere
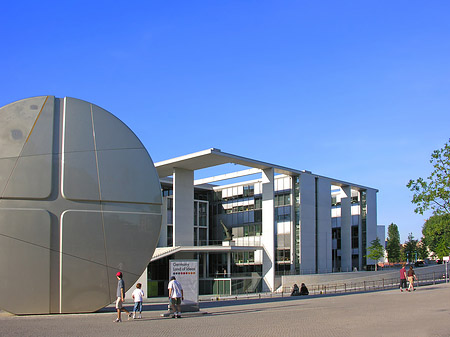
x=80, y=199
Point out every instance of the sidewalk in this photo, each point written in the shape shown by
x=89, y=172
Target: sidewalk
x=425, y=312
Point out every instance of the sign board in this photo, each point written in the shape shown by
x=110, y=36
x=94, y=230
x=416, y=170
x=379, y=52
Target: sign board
x=446, y=258
x=186, y=272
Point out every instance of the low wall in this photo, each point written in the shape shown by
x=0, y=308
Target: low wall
x=323, y=279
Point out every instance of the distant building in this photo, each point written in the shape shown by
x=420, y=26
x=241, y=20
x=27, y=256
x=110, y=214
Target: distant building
x=247, y=234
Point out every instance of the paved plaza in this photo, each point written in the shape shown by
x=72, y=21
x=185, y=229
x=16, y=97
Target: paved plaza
x=425, y=312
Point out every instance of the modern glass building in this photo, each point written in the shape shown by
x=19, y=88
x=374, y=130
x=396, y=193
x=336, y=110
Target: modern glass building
x=249, y=227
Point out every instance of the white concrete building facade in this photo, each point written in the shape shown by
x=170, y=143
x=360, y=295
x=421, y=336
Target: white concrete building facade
x=280, y=221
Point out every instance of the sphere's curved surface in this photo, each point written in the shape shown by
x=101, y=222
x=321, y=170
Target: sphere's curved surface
x=80, y=199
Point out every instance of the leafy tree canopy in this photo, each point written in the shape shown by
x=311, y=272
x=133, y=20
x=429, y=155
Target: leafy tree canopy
x=376, y=250
x=436, y=234
x=393, y=243
x=410, y=248
x=434, y=192
x=422, y=251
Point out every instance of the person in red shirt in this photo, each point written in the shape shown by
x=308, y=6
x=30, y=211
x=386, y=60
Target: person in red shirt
x=402, y=278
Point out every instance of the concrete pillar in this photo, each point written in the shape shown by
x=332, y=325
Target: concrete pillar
x=228, y=264
x=183, y=207
x=293, y=238
x=324, y=246
x=205, y=262
x=163, y=234
x=307, y=224
x=268, y=229
x=346, y=229
x=371, y=218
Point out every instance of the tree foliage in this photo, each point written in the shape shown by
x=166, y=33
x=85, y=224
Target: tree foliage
x=410, y=248
x=434, y=192
x=436, y=234
x=376, y=251
x=422, y=251
x=393, y=243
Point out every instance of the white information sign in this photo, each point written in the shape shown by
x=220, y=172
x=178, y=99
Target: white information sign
x=446, y=258
x=186, y=272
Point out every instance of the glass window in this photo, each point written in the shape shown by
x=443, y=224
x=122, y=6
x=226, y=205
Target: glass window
x=203, y=237
x=251, y=257
x=202, y=221
x=258, y=229
x=251, y=230
x=169, y=235
x=287, y=199
x=355, y=237
x=258, y=215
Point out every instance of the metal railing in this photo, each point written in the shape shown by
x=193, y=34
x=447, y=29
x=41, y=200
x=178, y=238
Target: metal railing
x=368, y=285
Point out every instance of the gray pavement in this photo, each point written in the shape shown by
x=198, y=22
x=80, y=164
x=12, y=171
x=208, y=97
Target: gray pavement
x=425, y=312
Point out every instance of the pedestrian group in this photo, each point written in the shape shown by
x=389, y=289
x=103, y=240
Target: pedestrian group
x=176, y=295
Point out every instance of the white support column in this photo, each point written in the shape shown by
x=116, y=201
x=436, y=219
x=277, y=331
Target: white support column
x=163, y=234
x=183, y=207
x=324, y=249
x=268, y=229
x=371, y=220
x=346, y=229
x=292, y=248
x=307, y=224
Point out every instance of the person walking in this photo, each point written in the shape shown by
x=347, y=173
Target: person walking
x=120, y=298
x=411, y=277
x=176, y=295
x=138, y=297
x=403, y=278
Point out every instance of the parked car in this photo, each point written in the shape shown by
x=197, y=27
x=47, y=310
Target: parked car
x=419, y=264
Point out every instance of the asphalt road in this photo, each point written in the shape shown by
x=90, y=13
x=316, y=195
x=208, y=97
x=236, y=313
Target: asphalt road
x=425, y=312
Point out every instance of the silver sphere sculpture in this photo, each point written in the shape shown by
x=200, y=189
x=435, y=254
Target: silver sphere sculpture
x=80, y=199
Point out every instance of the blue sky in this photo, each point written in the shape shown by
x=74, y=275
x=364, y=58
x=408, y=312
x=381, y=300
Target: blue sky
x=354, y=90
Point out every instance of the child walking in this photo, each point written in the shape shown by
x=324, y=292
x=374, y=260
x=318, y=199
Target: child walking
x=138, y=296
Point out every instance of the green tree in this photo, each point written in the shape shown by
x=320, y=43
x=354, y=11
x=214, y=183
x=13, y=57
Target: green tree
x=376, y=251
x=403, y=257
x=422, y=251
x=436, y=233
x=393, y=243
x=434, y=192
x=442, y=249
x=410, y=248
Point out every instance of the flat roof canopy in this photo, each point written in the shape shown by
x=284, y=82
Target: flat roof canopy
x=161, y=252
x=214, y=157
